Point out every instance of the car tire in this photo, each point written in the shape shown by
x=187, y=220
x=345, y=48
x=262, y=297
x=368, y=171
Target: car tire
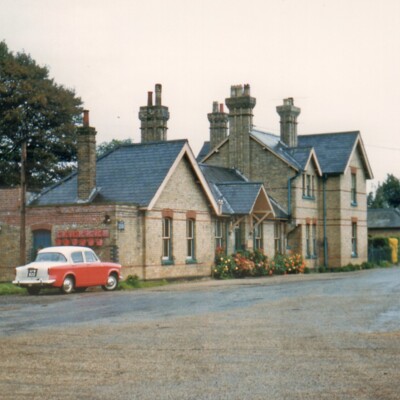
x=68, y=285
x=33, y=291
x=112, y=283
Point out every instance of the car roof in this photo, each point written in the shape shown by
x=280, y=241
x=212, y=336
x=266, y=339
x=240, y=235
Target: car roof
x=64, y=249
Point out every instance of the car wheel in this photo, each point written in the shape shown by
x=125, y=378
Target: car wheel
x=112, y=282
x=80, y=289
x=68, y=285
x=34, y=291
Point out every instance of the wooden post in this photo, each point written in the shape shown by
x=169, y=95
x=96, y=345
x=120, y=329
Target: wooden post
x=22, y=236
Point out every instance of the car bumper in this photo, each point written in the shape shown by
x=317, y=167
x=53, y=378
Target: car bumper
x=39, y=282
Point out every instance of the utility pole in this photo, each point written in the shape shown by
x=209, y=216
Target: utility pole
x=22, y=236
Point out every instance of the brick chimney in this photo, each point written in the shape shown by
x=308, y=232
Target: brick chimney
x=154, y=118
x=240, y=106
x=218, y=124
x=288, y=113
x=86, y=159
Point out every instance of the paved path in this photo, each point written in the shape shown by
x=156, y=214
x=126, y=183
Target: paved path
x=330, y=336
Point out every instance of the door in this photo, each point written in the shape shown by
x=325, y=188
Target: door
x=41, y=239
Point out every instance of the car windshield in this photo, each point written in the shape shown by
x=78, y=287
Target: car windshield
x=53, y=257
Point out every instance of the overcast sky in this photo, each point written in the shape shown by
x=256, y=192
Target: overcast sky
x=338, y=59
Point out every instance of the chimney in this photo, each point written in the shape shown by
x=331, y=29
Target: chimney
x=288, y=113
x=154, y=118
x=218, y=124
x=240, y=106
x=86, y=159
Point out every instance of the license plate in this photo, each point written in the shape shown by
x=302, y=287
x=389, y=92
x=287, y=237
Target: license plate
x=32, y=273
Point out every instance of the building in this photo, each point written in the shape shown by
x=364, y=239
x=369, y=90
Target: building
x=160, y=213
x=318, y=181
x=384, y=222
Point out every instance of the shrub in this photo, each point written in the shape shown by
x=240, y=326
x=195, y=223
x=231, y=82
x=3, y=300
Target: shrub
x=245, y=263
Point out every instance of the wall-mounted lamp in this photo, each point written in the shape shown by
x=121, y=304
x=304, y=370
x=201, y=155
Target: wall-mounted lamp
x=121, y=225
x=107, y=220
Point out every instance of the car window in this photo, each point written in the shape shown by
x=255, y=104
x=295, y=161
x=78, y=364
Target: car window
x=53, y=257
x=90, y=257
x=77, y=257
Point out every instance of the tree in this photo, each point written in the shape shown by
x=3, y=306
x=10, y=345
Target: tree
x=36, y=111
x=105, y=147
x=387, y=194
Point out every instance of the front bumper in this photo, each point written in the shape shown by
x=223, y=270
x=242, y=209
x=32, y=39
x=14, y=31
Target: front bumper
x=30, y=283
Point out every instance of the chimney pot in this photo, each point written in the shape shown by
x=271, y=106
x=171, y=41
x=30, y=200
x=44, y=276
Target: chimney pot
x=246, y=90
x=215, y=106
x=158, y=94
x=85, y=117
x=149, y=99
x=221, y=108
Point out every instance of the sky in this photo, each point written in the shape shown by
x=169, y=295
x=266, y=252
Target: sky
x=338, y=59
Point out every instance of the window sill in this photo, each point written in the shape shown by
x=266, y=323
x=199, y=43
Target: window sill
x=308, y=197
x=313, y=257
x=167, y=262
x=191, y=261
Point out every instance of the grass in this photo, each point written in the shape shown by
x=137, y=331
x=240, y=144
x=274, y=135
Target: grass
x=133, y=282
x=9, y=288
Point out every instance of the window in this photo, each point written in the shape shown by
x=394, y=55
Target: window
x=314, y=240
x=354, y=239
x=167, y=239
x=277, y=238
x=219, y=234
x=190, y=238
x=258, y=236
x=308, y=186
x=311, y=240
x=353, y=189
x=90, y=257
x=77, y=257
x=308, y=240
x=238, y=238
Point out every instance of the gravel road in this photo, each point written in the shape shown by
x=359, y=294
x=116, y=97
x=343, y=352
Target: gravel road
x=330, y=336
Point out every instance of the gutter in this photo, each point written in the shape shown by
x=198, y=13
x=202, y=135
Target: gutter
x=325, y=241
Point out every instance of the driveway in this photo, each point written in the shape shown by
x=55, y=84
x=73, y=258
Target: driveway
x=329, y=336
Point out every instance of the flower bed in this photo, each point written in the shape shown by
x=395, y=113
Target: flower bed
x=245, y=263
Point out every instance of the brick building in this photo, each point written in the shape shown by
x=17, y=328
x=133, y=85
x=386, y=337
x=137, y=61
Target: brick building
x=318, y=181
x=161, y=214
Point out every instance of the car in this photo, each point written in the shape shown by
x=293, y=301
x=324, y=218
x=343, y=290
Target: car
x=68, y=268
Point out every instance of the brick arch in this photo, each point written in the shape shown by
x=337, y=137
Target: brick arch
x=40, y=227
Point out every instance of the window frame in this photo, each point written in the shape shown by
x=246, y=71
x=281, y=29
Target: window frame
x=277, y=238
x=353, y=190
x=354, y=244
x=258, y=236
x=190, y=239
x=167, y=240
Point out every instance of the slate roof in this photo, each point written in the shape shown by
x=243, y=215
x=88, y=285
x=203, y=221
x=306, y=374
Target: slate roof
x=241, y=196
x=129, y=174
x=383, y=218
x=234, y=188
x=203, y=151
x=333, y=149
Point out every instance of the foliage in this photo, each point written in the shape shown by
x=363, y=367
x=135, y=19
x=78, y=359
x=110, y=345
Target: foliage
x=387, y=194
x=35, y=110
x=105, y=147
x=245, y=264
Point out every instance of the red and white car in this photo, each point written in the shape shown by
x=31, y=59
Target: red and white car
x=68, y=268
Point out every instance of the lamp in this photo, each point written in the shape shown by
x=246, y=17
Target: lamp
x=107, y=219
x=121, y=225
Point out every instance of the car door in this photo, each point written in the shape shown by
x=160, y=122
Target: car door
x=96, y=273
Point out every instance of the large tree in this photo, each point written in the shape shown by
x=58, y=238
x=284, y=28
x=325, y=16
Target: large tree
x=387, y=194
x=37, y=111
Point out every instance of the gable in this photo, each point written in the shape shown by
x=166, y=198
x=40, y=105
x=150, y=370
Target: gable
x=182, y=190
